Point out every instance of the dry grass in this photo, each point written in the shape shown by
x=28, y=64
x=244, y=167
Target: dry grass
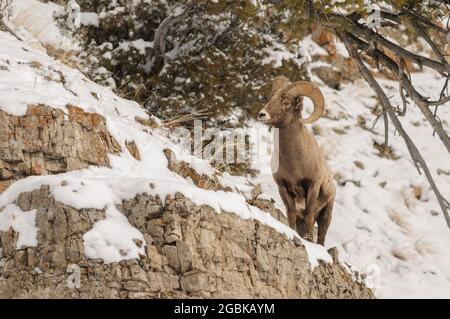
x=401, y=254
x=425, y=246
x=179, y=119
x=185, y=170
x=66, y=57
x=238, y=145
x=400, y=220
x=35, y=64
x=125, y=93
x=385, y=151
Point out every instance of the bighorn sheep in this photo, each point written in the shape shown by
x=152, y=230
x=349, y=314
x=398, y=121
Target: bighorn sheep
x=302, y=173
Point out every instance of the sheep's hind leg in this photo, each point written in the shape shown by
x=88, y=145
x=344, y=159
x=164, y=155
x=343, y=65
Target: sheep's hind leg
x=324, y=222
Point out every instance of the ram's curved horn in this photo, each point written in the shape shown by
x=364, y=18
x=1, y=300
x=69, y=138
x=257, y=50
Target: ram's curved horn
x=279, y=83
x=310, y=90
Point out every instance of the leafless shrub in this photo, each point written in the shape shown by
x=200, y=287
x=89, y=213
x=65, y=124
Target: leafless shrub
x=6, y=9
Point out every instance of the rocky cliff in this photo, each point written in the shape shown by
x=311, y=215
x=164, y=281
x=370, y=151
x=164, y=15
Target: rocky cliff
x=94, y=205
x=191, y=252
x=44, y=141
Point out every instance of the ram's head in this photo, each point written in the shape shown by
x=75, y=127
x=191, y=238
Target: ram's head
x=286, y=102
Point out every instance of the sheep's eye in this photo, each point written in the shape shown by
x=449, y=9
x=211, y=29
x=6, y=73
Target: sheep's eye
x=285, y=103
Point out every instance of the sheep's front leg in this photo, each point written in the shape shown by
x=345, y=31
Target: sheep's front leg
x=311, y=207
x=289, y=203
x=301, y=227
x=324, y=222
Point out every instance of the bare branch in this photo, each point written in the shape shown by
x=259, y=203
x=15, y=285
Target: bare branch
x=159, y=47
x=417, y=158
x=421, y=32
x=401, y=89
x=420, y=101
x=417, y=17
x=370, y=35
x=440, y=102
x=159, y=42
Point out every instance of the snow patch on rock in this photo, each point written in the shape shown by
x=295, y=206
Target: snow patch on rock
x=113, y=239
x=11, y=216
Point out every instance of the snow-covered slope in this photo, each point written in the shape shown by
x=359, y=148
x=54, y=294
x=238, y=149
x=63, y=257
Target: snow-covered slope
x=37, y=18
x=29, y=77
x=386, y=220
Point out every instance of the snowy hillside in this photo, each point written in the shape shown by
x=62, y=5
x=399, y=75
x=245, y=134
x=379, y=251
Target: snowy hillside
x=386, y=221
x=29, y=77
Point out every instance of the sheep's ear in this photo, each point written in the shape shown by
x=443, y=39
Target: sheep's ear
x=278, y=83
x=298, y=103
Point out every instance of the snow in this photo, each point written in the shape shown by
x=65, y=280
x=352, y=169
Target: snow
x=21, y=222
x=379, y=227
x=21, y=85
x=277, y=53
x=140, y=45
x=37, y=80
x=178, y=11
x=37, y=18
x=89, y=18
x=308, y=48
x=113, y=239
x=305, y=51
x=73, y=10
x=341, y=49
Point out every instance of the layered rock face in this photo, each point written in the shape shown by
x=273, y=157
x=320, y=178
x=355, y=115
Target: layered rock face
x=47, y=141
x=191, y=252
